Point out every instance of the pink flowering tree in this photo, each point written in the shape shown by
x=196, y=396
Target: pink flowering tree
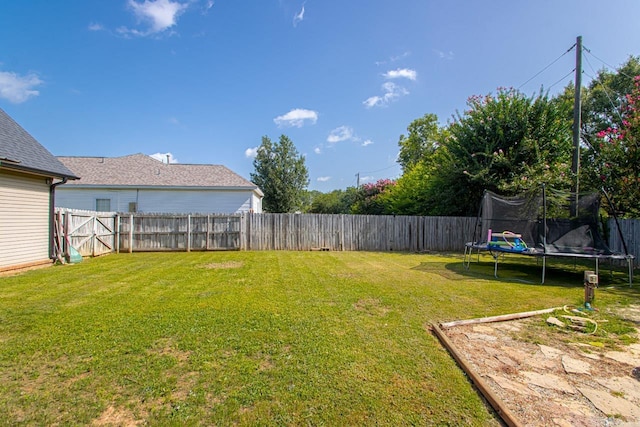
x=617, y=160
x=372, y=198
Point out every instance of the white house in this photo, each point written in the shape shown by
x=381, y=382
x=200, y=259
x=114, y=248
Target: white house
x=29, y=175
x=140, y=183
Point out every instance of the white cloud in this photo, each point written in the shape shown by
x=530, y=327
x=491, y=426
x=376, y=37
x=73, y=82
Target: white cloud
x=317, y=150
x=405, y=73
x=366, y=179
x=16, y=88
x=342, y=133
x=163, y=157
x=391, y=92
x=367, y=142
x=160, y=15
x=208, y=5
x=251, y=152
x=372, y=101
x=444, y=55
x=323, y=178
x=296, y=118
x=94, y=26
x=298, y=17
x=394, y=58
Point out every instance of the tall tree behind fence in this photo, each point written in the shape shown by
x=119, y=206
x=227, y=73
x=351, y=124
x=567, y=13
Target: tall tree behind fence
x=94, y=233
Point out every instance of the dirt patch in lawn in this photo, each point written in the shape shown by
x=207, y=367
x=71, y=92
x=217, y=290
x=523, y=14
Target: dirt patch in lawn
x=552, y=376
x=113, y=416
x=372, y=306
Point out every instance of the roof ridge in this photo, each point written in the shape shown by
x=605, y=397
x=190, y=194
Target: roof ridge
x=136, y=170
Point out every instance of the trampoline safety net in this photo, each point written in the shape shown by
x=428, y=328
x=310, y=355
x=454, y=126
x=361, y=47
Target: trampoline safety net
x=543, y=222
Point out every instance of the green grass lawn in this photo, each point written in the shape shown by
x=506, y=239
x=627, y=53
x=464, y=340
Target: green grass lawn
x=255, y=338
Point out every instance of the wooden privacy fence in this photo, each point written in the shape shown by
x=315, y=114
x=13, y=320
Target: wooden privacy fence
x=144, y=232
x=302, y=232
x=95, y=233
x=630, y=229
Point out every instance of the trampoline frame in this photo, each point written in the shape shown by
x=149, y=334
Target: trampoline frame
x=496, y=252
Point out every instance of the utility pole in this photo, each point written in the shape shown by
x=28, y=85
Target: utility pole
x=577, y=107
x=358, y=180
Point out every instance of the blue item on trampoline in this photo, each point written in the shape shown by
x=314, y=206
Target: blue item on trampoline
x=507, y=241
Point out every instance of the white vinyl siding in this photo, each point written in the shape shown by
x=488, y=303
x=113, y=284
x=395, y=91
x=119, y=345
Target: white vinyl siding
x=85, y=199
x=160, y=201
x=194, y=201
x=24, y=219
x=256, y=203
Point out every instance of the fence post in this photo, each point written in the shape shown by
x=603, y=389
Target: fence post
x=247, y=230
x=117, y=233
x=67, y=238
x=342, y=232
x=131, y=233
x=188, y=233
x=241, y=231
x=94, y=235
x=208, y=246
x=58, y=236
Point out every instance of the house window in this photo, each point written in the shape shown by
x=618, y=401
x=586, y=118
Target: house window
x=103, y=205
x=133, y=207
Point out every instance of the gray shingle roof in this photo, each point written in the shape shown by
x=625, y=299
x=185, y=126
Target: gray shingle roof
x=20, y=151
x=140, y=170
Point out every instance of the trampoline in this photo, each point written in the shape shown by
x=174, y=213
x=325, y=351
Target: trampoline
x=544, y=223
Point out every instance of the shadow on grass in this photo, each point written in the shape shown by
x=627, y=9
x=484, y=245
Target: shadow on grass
x=529, y=272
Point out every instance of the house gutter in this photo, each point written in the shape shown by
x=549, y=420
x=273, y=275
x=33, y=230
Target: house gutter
x=52, y=213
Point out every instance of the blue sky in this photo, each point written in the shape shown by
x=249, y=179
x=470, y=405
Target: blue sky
x=204, y=80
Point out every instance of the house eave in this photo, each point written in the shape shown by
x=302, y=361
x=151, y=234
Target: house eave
x=12, y=166
x=160, y=187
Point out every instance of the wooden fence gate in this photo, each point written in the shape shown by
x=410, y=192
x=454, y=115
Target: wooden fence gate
x=90, y=233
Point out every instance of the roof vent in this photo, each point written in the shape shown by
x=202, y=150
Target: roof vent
x=5, y=159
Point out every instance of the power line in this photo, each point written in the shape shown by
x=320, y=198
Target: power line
x=375, y=171
x=612, y=67
x=383, y=169
x=561, y=79
x=545, y=68
x=604, y=89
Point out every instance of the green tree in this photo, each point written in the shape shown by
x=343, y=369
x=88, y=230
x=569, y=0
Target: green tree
x=507, y=143
x=334, y=202
x=412, y=193
x=421, y=141
x=282, y=175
